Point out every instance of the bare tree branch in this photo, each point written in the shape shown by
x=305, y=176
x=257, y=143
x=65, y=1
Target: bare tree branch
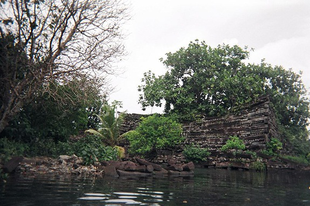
x=55, y=40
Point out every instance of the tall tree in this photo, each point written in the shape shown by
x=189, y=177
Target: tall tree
x=207, y=81
x=57, y=117
x=47, y=40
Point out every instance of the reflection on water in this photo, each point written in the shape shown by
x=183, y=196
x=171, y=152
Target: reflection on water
x=207, y=187
x=142, y=196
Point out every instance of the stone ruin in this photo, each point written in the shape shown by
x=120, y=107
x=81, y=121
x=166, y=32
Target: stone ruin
x=255, y=124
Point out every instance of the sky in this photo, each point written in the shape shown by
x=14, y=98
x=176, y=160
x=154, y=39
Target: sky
x=277, y=30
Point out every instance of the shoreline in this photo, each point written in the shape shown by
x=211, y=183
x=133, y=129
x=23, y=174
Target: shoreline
x=71, y=166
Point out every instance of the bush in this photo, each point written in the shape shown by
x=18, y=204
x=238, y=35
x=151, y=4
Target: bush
x=90, y=148
x=154, y=132
x=195, y=153
x=11, y=148
x=233, y=143
x=296, y=159
x=44, y=147
x=273, y=147
x=258, y=165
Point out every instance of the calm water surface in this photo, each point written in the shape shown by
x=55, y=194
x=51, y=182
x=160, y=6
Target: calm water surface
x=207, y=187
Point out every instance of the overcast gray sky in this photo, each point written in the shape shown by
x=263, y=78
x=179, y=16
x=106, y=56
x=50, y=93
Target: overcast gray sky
x=278, y=30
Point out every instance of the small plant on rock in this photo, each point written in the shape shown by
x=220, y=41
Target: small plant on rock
x=273, y=147
x=233, y=143
x=258, y=165
x=195, y=153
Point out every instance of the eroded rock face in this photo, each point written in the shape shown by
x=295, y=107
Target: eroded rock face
x=63, y=165
x=73, y=165
x=142, y=168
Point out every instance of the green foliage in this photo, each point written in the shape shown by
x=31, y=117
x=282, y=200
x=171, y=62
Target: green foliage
x=252, y=153
x=233, y=143
x=202, y=80
x=109, y=126
x=42, y=147
x=273, y=147
x=9, y=149
x=3, y=175
x=195, y=153
x=268, y=152
x=154, y=132
x=43, y=42
x=258, y=165
x=299, y=143
x=297, y=159
x=56, y=117
x=90, y=148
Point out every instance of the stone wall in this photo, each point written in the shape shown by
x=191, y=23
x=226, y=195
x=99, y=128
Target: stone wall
x=254, y=124
x=131, y=122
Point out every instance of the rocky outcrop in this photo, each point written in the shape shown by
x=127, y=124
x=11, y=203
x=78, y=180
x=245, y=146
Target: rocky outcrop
x=143, y=168
x=73, y=165
x=255, y=124
x=63, y=165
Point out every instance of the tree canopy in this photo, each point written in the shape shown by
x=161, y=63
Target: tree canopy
x=55, y=117
x=206, y=81
x=43, y=42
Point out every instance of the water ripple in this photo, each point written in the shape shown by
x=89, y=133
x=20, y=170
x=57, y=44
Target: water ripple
x=143, y=196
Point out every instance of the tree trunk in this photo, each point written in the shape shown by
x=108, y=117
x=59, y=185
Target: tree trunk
x=8, y=112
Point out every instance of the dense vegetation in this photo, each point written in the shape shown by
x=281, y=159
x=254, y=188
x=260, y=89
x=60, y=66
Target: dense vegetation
x=48, y=42
x=55, y=58
x=153, y=133
x=206, y=81
x=52, y=87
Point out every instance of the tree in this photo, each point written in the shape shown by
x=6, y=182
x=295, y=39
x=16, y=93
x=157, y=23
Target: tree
x=109, y=126
x=54, y=41
x=153, y=133
x=207, y=81
x=55, y=118
x=202, y=80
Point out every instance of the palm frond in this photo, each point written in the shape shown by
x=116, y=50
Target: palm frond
x=94, y=132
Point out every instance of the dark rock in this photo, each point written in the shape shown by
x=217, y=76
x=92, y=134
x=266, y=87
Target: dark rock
x=162, y=172
x=156, y=167
x=189, y=166
x=257, y=146
x=149, y=168
x=128, y=165
x=176, y=167
x=223, y=165
x=134, y=174
x=12, y=164
x=110, y=170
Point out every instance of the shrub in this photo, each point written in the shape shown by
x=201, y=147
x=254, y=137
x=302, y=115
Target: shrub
x=273, y=147
x=296, y=159
x=233, y=143
x=258, y=165
x=154, y=132
x=43, y=147
x=90, y=148
x=195, y=153
x=252, y=153
x=11, y=148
